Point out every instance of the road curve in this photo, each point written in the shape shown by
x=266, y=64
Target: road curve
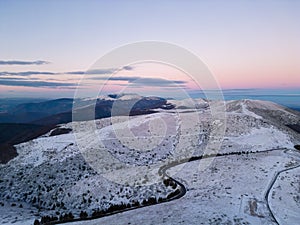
x=267, y=194
x=182, y=189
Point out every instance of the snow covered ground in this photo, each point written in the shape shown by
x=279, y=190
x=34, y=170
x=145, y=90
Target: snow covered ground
x=285, y=194
x=116, y=160
x=230, y=191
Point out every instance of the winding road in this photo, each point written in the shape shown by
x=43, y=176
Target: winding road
x=267, y=194
x=270, y=186
x=163, y=171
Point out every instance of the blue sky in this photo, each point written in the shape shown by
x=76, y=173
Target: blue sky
x=246, y=44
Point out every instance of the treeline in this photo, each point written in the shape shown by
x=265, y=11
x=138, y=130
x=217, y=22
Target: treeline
x=68, y=217
x=112, y=209
x=162, y=170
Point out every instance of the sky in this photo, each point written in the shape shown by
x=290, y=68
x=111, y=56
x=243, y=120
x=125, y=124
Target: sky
x=47, y=47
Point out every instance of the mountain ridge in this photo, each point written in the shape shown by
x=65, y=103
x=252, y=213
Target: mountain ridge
x=55, y=174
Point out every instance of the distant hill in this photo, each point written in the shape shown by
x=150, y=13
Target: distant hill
x=7, y=104
x=60, y=110
x=297, y=109
x=103, y=108
x=12, y=134
x=28, y=112
x=30, y=120
x=46, y=107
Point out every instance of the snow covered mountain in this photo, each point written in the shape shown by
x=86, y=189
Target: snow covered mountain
x=115, y=164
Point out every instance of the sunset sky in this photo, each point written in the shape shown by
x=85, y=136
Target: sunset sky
x=47, y=46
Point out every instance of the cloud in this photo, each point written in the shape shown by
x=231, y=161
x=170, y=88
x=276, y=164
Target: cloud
x=26, y=73
x=128, y=68
x=89, y=72
x=11, y=79
x=30, y=83
x=113, y=78
x=157, y=82
x=16, y=78
x=142, y=81
x=17, y=62
x=99, y=71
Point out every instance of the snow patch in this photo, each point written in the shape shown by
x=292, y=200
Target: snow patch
x=263, y=138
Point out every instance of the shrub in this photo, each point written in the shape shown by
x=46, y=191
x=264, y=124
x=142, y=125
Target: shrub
x=83, y=215
x=36, y=222
x=67, y=217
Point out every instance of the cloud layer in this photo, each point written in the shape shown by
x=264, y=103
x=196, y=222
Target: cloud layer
x=88, y=72
x=23, y=78
x=17, y=62
x=27, y=73
x=99, y=71
x=34, y=83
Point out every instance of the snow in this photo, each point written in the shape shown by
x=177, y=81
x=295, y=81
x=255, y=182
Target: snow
x=189, y=103
x=116, y=160
x=120, y=96
x=57, y=165
x=262, y=138
x=130, y=97
x=22, y=222
x=16, y=215
x=284, y=195
x=230, y=191
x=247, y=112
x=45, y=149
x=258, y=104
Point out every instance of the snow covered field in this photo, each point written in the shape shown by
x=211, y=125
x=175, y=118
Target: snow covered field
x=230, y=191
x=116, y=161
x=284, y=195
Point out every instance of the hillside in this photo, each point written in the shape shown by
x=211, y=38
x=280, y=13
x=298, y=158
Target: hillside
x=116, y=163
x=26, y=121
x=12, y=134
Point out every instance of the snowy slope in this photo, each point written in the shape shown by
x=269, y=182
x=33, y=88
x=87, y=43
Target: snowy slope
x=189, y=103
x=230, y=191
x=116, y=160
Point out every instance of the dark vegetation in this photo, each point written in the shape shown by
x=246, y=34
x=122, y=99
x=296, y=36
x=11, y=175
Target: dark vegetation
x=162, y=170
x=29, y=112
x=67, y=217
x=295, y=127
x=112, y=209
x=178, y=190
x=297, y=147
x=295, y=108
x=12, y=134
